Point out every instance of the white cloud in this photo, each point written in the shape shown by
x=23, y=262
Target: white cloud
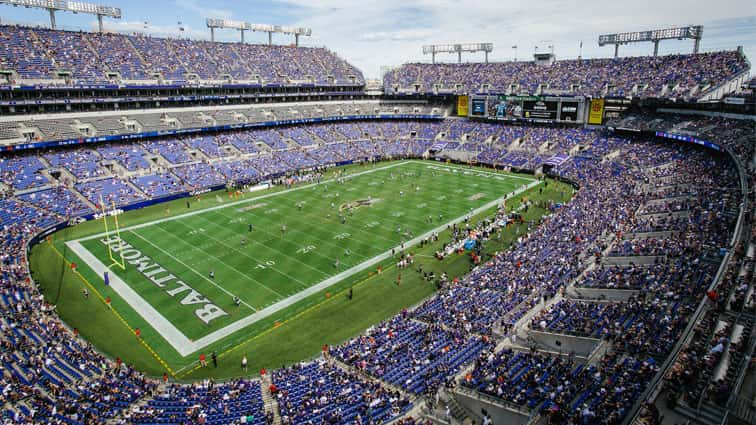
x=374, y=33
x=153, y=29
x=400, y=35
x=194, y=7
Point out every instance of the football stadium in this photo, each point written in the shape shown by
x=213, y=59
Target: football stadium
x=210, y=225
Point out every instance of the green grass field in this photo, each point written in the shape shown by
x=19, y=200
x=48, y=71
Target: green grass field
x=291, y=284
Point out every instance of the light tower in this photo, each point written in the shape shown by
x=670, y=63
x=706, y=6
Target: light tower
x=246, y=26
x=458, y=49
x=694, y=32
x=53, y=6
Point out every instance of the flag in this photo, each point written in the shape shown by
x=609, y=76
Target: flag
x=106, y=278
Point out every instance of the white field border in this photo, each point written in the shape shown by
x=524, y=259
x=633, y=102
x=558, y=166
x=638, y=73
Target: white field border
x=185, y=346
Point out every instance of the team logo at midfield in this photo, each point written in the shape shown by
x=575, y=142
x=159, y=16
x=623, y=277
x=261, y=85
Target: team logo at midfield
x=358, y=203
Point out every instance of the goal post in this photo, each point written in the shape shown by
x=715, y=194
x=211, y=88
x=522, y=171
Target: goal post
x=116, y=259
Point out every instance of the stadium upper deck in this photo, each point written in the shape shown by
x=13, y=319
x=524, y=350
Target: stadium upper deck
x=52, y=57
x=673, y=76
x=44, y=57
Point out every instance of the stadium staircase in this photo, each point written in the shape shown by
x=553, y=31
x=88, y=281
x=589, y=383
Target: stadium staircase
x=742, y=411
x=83, y=199
x=269, y=402
x=457, y=413
x=241, y=61
x=136, y=188
x=367, y=377
x=137, y=405
x=134, y=49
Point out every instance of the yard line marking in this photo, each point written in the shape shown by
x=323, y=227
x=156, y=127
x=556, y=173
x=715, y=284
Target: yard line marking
x=115, y=312
x=243, y=201
x=180, y=342
x=252, y=240
x=473, y=171
x=184, y=346
x=246, y=276
x=242, y=323
x=188, y=267
x=251, y=258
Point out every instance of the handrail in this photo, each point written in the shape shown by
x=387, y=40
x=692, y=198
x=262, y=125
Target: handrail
x=494, y=400
x=743, y=372
x=696, y=317
x=744, y=73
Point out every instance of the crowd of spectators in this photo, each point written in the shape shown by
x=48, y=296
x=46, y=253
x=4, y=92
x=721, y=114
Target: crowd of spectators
x=48, y=372
x=90, y=58
x=670, y=76
x=318, y=392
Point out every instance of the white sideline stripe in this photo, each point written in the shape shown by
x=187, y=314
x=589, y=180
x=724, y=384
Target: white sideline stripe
x=189, y=267
x=467, y=170
x=233, y=327
x=184, y=346
x=243, y=201
x=175, y=337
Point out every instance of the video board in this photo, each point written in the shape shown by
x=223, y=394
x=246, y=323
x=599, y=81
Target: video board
x=478, y=107
x=540, y=109
x=529, y=108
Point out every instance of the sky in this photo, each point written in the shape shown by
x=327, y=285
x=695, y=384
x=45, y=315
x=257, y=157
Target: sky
x=377, y=34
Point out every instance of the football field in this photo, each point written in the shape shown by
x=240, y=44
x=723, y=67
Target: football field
x=209, y=272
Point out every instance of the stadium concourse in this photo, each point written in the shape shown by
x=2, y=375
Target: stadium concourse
x=642, y=283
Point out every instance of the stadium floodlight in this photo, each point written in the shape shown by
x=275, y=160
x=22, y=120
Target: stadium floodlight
x=53, y=6
x=246, y=26
x=227, y=23
x=694, y=32
x=458, y=49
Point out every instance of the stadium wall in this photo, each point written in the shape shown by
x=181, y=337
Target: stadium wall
x=724, y=88
x=183, y=131
x=499, y=412
x=563, y=343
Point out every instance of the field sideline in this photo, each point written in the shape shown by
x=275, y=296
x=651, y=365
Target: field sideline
x=208, y=256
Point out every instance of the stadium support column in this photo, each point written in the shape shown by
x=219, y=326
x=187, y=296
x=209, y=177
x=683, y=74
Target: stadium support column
x=52, y=18
x=99, y=22
x=270, y=38
x=242, y=35
x=296, y=40
x=656, y=47
x=486, y=56
x=616, y=50
x=212, y=34
x=459, y=57
x=696, y=45
x=433, y=57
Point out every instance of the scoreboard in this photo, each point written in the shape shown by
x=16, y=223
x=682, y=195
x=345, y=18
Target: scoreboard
x=528, y=108
x=542, y=109
x=568, y=111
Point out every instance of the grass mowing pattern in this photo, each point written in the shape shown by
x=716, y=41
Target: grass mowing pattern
x=274, y=264
x=237, y=267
